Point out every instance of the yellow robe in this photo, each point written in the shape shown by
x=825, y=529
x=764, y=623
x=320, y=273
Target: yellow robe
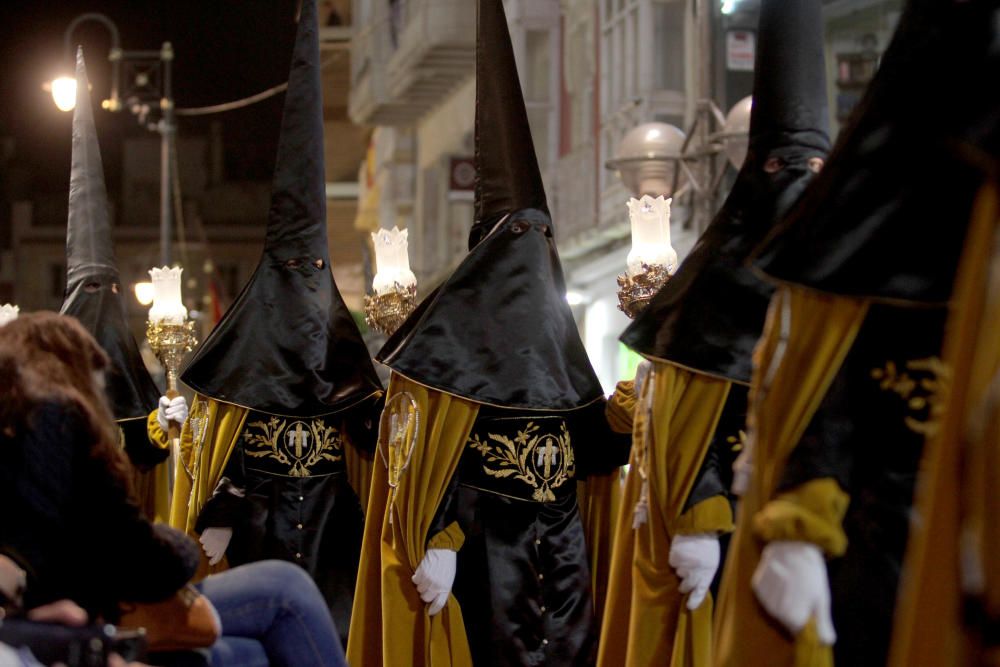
x=207, y=441
x=391, y=626
x=806, y=338
x=646, y=621
x=599, y=498
x=957, y=495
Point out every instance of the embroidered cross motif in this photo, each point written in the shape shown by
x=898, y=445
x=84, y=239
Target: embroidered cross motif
x=543, y=461
x=298, y=444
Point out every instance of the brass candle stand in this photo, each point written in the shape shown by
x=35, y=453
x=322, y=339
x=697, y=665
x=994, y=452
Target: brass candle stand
x=634, y=292
x=170, y=342
x=385, y=312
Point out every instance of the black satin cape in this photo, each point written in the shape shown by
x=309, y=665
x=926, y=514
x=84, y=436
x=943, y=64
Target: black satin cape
x=289, y=345
x=886, y=218
x=92, y=283
x=709, y=315
x=499, y=331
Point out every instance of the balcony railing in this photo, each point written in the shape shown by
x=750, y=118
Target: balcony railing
x=409, y=57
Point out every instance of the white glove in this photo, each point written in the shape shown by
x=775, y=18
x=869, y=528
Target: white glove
x=434, y=578
x=695, y=558
x=171, y=410
x=215, y=541
x=792, y=585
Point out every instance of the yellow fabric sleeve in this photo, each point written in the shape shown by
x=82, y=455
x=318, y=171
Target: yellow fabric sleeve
x=812, y=512
x=156, y=434
x=712, y=515
x=620, y=410
x=451, y=537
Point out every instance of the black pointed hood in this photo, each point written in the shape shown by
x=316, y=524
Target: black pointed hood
x=710, y=314
x=288, y=345
x=499, y=330
x=886, y=219
x=93, y=288
x=507, y=174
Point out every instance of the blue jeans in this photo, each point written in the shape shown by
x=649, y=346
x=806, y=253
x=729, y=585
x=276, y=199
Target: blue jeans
x=272, y=614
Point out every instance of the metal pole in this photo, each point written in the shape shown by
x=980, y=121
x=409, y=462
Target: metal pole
x=113, y=103
x=704, y=200
x=166, y=129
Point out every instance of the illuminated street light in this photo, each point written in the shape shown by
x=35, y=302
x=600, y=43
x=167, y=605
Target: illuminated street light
x=64, y=92
x=142, y=79
x=144, y=293
x=735, y=133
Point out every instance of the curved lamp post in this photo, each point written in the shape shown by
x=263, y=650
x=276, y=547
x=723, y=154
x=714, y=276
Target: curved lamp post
x=147, y=80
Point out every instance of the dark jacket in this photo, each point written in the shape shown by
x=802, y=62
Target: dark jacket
x=69, y=522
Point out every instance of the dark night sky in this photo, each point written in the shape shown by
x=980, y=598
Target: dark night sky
x=224, y=49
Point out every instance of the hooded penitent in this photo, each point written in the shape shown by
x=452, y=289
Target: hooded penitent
x=93, y=287
x=887, y=220
x=710, y=313
x=289, y=345
x=285, y=384
x=700, y=330
x=510, y=417
x=851, y=381
x=499, y=330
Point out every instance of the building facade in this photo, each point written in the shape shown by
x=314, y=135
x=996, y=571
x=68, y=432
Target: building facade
x=590, y=70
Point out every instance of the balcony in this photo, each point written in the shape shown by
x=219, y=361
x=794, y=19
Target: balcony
x=408, y=57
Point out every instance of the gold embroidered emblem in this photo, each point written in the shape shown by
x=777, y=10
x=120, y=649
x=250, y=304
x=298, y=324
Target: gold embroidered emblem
x=542, y=461
x=296, y=443
x=922, y=383
x=399, y=428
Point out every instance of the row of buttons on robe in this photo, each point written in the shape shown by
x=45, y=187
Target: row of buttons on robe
x=541, y=577
x=298, y=554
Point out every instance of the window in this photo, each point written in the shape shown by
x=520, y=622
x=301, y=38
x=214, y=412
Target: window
x=536, y=45
x=537, y=85
x=620, y=60
x=668, y=36
x=578, y=52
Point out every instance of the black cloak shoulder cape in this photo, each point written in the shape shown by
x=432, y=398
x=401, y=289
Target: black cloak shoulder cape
x=499, y=331
x=289, y=345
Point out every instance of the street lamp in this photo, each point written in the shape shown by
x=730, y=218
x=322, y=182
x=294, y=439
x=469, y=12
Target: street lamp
x=648, y=157
x=63, y=88
x=649, y=163
x=64, y=92
x=147, y=81
x=735, y=135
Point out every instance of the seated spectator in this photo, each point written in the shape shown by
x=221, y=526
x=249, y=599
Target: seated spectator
x=67, y=518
